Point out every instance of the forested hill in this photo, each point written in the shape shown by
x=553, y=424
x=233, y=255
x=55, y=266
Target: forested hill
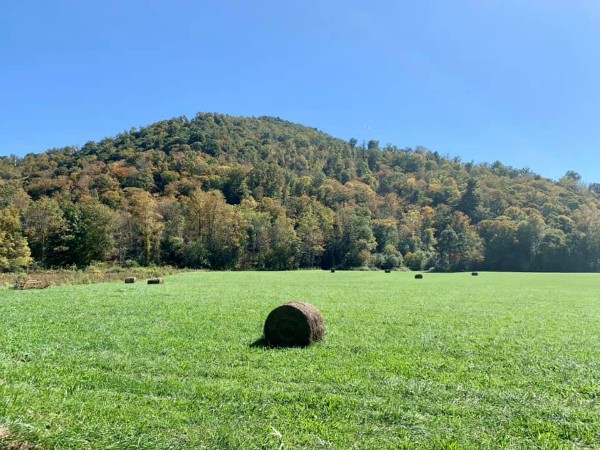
x=226, y=192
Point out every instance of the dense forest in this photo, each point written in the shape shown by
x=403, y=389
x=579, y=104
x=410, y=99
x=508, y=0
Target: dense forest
x=225, y=192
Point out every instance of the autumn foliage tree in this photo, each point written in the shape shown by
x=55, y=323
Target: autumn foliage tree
x=14, y=251
x=224, y=192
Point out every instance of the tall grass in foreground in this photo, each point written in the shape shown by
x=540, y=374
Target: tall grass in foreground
x=450, y=361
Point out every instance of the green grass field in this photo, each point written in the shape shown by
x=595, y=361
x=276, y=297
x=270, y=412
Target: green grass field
x=450, y=361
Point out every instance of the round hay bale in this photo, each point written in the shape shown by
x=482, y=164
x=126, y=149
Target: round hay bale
x=155, y=281
x=130, y=280
x=294, y=324
x=474, y=274
x=418, y=276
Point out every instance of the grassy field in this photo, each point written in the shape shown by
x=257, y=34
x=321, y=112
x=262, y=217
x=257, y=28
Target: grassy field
x=450, y=361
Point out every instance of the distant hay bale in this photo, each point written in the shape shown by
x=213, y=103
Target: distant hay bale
x=474, y=274
x=130, y=280
x=388, y=270
x=155, y=281
x=30, y=283
x=332, y=270
x=294, y=324
x=418, y=276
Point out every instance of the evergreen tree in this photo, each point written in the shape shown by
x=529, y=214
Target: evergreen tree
x=469, y=202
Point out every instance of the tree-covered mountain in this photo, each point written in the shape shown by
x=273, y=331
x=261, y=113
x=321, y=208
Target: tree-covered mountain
x=227, y=192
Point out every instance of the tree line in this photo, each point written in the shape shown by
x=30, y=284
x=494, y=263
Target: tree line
x=224, y=192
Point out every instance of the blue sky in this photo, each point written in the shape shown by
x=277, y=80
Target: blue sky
x=510, y=80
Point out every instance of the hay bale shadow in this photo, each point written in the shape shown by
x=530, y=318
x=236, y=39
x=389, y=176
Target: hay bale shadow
x=264, y=344
x=260, y=343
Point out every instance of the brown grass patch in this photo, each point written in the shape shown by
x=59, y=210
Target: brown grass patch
x=68, y=277
x=30, y=283
x=18, y=446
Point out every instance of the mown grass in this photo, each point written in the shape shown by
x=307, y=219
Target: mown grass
x=450, y=361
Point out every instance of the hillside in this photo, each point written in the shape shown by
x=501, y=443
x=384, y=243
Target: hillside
x=226, y=192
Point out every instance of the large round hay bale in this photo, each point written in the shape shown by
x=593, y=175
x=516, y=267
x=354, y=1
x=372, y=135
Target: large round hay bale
x=155, y=281
x=294, y=324
x=130, y=280
x=418, y=276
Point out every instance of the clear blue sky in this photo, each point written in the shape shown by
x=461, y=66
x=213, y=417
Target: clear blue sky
x=510, y=80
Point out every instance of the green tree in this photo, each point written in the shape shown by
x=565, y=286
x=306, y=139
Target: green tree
x=311, y=240
x=258, y=243
x=530, y=232
x=172, y=242
x=13, y=195
x=352, y=239
x=416, y=230
x=284, y=248
x=459, y=247
x=390, y=258
x=214, y=227
x=584, y=253
x=14, y=251
x=553, y=248
x=142, y=225
x=500, y=242
x=92, y=228
x=386, y=233
x=469, y=202
x=45, y=228
x=420, y=260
